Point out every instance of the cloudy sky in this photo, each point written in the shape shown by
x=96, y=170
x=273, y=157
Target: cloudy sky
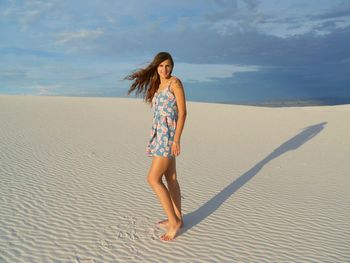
x=224, y=50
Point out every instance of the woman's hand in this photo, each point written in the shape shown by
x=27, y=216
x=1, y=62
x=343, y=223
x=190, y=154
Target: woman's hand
x=175, y=149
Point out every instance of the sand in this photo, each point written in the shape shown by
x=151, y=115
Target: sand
x=258, y=184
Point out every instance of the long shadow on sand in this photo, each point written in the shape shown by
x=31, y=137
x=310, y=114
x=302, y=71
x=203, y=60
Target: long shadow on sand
x=195, y=217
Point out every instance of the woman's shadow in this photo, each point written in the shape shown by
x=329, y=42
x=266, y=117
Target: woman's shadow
x=193, y=218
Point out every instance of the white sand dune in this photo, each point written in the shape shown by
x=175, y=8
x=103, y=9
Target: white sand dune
x=258, y=184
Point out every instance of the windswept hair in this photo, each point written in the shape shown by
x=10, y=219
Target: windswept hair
x=146, y=81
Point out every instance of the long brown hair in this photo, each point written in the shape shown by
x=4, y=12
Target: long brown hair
x=146, y=80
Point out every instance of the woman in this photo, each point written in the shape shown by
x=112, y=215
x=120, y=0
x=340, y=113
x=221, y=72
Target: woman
x=166, y=94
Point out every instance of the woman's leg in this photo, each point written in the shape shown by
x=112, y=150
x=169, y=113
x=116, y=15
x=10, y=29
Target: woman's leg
x=158, y=168
x=174, y=190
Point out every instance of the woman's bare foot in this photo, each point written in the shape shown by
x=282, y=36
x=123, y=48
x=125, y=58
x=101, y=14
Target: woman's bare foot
x=165, y=223
x=172, y=231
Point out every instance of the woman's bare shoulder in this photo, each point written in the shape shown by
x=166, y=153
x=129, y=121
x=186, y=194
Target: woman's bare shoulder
x=176, y=85
x=176, y=81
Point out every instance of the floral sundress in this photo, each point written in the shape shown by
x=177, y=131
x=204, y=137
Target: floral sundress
x=165, y=115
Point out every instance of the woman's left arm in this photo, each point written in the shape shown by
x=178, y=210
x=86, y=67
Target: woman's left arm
x=182, y=113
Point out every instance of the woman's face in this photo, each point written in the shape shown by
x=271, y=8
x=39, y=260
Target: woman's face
x=164, y=69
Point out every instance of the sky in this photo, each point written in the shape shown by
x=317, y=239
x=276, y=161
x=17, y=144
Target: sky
x=224, y=50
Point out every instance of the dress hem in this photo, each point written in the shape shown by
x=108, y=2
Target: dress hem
x=169, y=157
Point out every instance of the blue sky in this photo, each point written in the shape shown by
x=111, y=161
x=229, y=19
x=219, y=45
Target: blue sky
x=224, y=50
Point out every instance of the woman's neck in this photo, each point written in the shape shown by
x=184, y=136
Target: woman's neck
x=165, y=80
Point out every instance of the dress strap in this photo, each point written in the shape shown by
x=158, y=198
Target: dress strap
x=170, y=85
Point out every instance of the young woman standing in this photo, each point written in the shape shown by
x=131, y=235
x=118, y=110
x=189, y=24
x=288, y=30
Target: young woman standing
x=166, y=95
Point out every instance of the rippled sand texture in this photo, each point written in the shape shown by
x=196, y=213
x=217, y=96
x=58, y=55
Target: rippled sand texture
x=258, y=184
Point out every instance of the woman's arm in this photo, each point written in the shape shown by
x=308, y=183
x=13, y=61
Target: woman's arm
x=182, y=112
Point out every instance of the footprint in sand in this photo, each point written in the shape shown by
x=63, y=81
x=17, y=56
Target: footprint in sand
x=92, y=154
x=84, y=260
x=125, y=233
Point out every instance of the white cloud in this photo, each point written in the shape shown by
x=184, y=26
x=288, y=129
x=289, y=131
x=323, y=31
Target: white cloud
x=83, y=34
x=209, y=72
x=28, y=13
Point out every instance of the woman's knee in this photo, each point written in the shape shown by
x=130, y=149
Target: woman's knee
x=153, y=179
x=159, y=166
x=171, y=178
